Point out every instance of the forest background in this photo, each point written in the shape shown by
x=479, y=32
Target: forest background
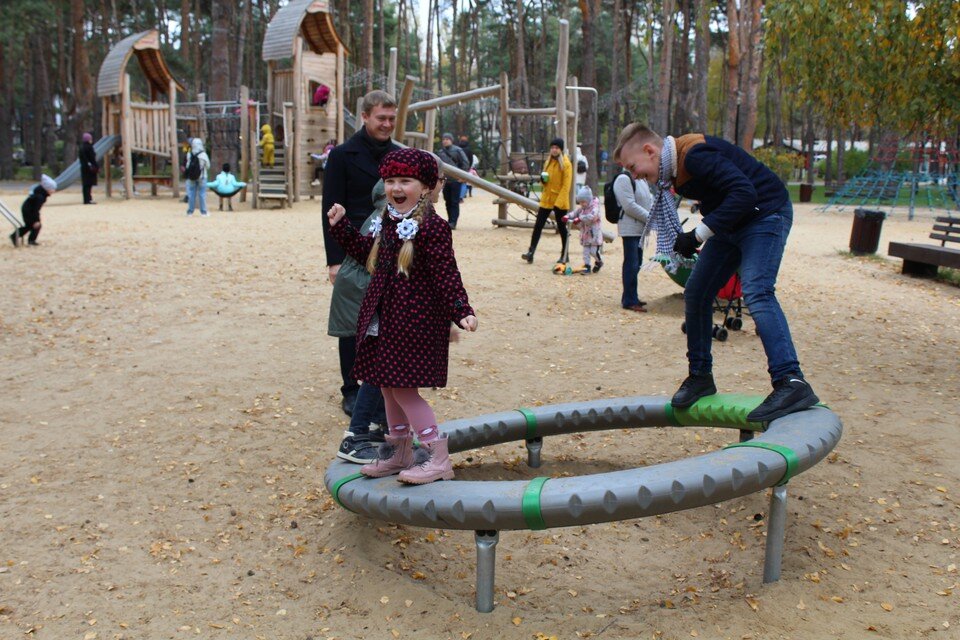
x=875, y=70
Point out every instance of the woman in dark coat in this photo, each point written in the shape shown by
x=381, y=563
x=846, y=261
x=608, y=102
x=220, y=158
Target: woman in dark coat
x=88, y=167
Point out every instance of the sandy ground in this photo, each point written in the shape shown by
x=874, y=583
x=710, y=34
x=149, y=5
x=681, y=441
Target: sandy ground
x=170, y=403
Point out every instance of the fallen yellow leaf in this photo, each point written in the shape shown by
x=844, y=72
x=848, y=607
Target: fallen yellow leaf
x=886, y=606
x=517, y=621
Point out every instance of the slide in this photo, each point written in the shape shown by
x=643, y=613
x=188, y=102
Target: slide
x=11, y=217
x=72, y=173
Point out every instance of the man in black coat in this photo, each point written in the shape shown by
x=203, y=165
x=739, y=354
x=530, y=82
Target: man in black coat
x=352, y=170
x=453, y=155
x=88, y=167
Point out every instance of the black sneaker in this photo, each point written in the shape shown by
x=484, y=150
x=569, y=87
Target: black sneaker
x=13, y=238
x=692, y=389
x=528, y=256
x=788, y=396
x=358, y=449
x=598, y=265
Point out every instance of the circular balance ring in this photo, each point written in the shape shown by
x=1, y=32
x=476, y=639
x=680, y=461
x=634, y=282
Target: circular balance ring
x=790, y=445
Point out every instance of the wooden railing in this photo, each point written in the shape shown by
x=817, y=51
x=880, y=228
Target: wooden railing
x=150, y=128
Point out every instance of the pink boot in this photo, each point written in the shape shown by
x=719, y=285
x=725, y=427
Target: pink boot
x=431, y=465
x=393, y=457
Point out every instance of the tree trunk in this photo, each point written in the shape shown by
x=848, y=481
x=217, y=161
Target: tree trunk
x=828, y=163
x=220, y=50
x=196, y=51
x=367, y=60
x=616, y=70
x=589, y=10
x=681, y=73
x=808, y=140
x=701, y=67
x=7, y=69
x=381, y=28
x=239, y=67
x=661, y=108
x=755, y=62
x=733, y=74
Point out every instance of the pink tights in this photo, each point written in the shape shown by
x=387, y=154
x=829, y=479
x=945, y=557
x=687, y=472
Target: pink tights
x=405, y=407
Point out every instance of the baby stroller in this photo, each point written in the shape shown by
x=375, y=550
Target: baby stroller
x=728, y=301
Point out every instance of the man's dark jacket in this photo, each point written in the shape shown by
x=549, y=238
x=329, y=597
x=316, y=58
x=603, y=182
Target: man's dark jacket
x=352, y=170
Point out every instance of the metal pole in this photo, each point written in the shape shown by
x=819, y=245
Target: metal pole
x=593, y=134
x=534, y=446
x=486, y=564
x=776, y=525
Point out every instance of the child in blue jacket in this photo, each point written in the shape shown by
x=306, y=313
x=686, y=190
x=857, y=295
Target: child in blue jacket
x=226, y=186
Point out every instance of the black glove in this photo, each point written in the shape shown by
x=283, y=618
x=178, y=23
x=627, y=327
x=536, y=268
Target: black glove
x=687, y=243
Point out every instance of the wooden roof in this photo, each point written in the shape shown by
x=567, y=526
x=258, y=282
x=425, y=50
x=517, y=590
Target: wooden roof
x=308, y=18
x=146, y=46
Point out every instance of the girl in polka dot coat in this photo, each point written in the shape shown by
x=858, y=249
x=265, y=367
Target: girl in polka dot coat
x=403, y=330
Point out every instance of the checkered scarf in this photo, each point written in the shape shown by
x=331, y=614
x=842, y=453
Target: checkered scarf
x=663, y=216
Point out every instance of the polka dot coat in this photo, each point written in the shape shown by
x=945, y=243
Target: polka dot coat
x=415, y=311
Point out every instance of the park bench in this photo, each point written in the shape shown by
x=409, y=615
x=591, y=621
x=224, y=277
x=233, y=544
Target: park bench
x=924, y=260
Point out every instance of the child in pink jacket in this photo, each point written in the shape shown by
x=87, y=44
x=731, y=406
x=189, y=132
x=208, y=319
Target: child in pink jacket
x=587, y=216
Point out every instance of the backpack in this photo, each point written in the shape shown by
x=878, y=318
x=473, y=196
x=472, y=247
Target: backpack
x=611, y=208
x=193, y=170
x=581, y=166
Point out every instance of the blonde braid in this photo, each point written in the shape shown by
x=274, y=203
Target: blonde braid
x=405, y=257
x=372, y=258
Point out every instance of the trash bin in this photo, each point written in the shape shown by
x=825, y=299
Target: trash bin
x=806, y=192
x=865, y=235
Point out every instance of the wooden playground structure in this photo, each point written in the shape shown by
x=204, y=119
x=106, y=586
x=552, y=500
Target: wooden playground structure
x=303, y=32
x=565, y=115
x=148, y=128
x=303, y=51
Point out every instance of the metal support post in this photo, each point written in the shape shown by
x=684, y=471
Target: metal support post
x=534, y=446
x=776, y=525
x=486, y=564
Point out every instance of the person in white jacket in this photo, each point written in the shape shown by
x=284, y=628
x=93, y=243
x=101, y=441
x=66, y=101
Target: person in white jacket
x=635, y=201
x=197, y=186
x=582, y=165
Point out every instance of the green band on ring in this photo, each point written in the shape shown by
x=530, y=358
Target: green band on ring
x=531, y=422
x=788, y=455
x=531, y=504
x=335, y=489
x=671, y=415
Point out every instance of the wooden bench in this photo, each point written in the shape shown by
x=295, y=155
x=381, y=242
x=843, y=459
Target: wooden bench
x=923, y=260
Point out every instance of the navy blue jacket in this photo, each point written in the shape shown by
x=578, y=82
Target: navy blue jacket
x=733, y=188
x=353, y=168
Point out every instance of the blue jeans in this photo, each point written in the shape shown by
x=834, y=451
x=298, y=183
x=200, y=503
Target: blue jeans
x=196, y=194
x=368, y=408
x=632, y=258
x=756, y=250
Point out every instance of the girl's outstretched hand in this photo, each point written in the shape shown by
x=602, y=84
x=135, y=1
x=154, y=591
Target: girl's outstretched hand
x=336, y=212
x=469, y=323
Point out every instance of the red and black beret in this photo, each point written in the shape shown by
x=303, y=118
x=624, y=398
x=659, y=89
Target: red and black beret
x=410, y=163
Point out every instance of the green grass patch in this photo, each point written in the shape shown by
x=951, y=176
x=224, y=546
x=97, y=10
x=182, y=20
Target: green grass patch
x=950, y=276
x=873, y=257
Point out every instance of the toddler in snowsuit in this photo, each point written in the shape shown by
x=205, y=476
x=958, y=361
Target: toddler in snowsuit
x=31, y=211
x=267, y=142
x=587, y=216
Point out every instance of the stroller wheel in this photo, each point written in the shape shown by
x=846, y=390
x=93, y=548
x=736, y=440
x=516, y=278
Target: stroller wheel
x=728, y=323
x=683, y=327
x=720, y=333
x=736, y=324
